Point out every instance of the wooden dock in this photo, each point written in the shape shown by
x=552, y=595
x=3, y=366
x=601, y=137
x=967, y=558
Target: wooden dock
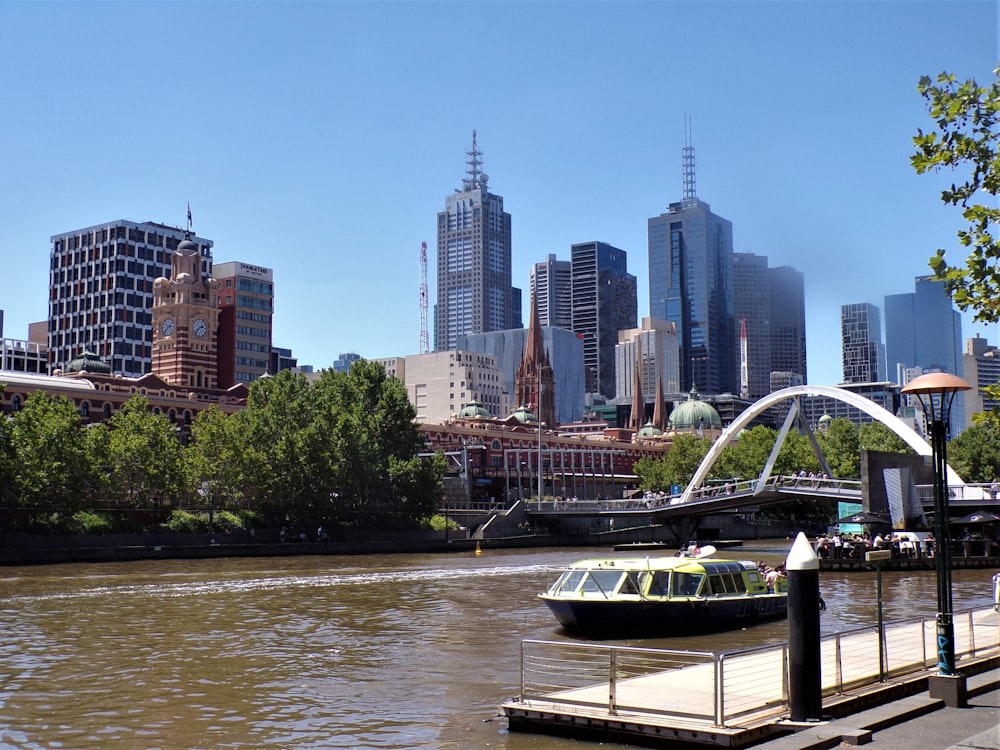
x=731, y=699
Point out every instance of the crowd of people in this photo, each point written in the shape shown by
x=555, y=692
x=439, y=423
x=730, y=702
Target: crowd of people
x=854, y=546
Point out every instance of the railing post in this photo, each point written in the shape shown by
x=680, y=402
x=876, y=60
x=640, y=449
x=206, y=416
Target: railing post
x=785, y=694
x=720, y=690
x=522, y=669
x=839, y=657
x=613, y=683
x=972, y=635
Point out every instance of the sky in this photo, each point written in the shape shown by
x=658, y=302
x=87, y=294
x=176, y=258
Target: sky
x=320, y=139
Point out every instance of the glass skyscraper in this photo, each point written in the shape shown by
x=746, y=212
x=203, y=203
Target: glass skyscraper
x=861, y=343
x=604, y=303
x=786, y=287
x=690, y=285
x=923, y=329
x=474, y=291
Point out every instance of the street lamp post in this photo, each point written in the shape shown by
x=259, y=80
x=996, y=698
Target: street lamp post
x=936, y=392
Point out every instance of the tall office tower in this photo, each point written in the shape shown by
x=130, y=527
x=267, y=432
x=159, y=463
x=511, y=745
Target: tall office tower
x=185, y=321
x=246, y=308
x=604, y=303
x=923, y=329
x=981, y=368
x=752, y=310
x=861, y=343
x=786, y=287
x=552, y=289
x=656, y=342
x=690, y=285
x=101, y=291
x=474, y=292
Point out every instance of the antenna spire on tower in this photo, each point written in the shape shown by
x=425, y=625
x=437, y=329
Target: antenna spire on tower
x=473, y=162
x=688, y=158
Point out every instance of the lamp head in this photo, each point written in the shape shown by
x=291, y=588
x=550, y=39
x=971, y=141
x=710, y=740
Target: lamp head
x=934, y=383
x=940, y=384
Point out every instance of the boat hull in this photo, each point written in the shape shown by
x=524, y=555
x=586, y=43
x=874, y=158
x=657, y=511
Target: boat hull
x=603, y=618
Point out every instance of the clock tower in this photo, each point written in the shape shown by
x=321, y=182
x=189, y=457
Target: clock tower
x=186, y=322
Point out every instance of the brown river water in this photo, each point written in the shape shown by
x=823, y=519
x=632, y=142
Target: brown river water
x=388, y=651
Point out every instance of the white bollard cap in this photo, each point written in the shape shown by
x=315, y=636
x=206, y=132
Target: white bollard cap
x=801, y=556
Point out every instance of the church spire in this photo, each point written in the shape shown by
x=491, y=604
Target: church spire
x=637, y=418
x=534, y=382
x=658, y=419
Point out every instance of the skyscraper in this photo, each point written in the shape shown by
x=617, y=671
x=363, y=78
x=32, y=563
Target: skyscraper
x=923, y=329
x=981, y=368
x=861, y=343
x=786, y=288
x=653, y=346
x=246, y=305
x=604, y=303
x=101, y=291
x=552, y=288
x=690, y=285
x=474, y=291
x=752, y=311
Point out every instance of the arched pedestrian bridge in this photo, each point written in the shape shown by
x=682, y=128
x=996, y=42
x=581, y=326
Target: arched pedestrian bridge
x=698, y=498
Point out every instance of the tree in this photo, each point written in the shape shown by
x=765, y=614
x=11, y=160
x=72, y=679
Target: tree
x=975, y=454
x=875, y=436
x=52, y=470
x=144, y=456
x=841, y=446
x=967, y=120
x=677, y=466
x=366, y=417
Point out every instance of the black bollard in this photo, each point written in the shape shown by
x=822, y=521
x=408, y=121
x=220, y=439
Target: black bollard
x=805, y=683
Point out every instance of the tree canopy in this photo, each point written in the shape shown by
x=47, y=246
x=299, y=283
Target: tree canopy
x=966, y=135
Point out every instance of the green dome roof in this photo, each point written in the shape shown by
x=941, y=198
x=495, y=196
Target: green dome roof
x=474, y=410
x=89, y=362
x=524, y=416
x=694, y=414
x=825, y=418
x=649, y=430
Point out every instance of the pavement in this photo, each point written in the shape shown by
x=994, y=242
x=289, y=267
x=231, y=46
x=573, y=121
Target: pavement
x=917, y=722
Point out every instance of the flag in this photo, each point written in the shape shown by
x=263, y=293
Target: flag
x=189, y=215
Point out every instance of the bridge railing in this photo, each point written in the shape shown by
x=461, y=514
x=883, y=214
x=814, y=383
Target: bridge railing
x=968, y=494
x=791, y=484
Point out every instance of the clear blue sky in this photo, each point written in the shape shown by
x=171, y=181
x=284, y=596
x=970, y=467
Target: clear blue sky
x=320, y=139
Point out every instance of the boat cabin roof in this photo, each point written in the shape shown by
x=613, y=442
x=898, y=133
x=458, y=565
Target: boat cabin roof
x=683, y=564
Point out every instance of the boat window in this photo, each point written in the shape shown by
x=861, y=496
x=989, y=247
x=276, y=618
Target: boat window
x=601, y=581
x=630, y=585
x=659, y=582
x=686, y=584
x=568, y=581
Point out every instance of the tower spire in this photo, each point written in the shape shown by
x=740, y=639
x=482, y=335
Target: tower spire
x=638, y=415
x=474, y=177
x=688, y=159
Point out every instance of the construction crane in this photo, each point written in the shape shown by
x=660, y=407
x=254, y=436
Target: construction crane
x=425, y=345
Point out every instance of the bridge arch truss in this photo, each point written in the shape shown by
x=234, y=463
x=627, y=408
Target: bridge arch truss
x=795, y=394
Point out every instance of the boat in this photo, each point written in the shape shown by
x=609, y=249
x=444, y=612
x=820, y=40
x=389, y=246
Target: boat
x=655, y=597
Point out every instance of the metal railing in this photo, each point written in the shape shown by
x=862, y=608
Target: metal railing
x=722, y=687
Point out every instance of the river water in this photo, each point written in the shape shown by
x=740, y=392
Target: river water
x=387, y=651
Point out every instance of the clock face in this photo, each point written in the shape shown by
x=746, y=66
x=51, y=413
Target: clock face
x=200, y=327
x=167, y=327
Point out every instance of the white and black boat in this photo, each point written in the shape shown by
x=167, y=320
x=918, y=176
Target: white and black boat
x=652, y=597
